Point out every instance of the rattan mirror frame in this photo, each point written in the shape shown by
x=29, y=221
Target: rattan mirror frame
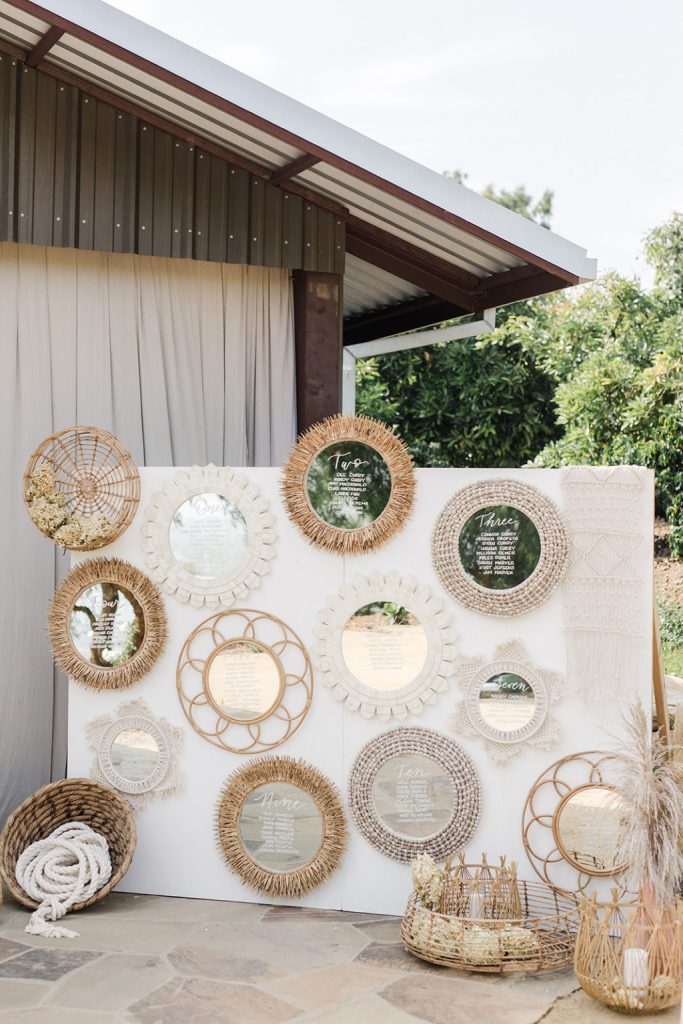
x=204, y=715
x=534, y=590
x=241, y=492
x=264, y=770
x=540, y=833
x=441, y=653
x=87, y=574
x=541, y=731
x=459, y=766
x=101, y=733
x=386, y=443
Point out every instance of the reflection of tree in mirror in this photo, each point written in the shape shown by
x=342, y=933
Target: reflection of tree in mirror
x=348, y=485
x=508, y=682
x=499, y=547
x=107, y=625
x=384, y=612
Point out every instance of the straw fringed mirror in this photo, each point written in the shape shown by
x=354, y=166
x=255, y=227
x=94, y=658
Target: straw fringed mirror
x=81, y=488
x=106, y=624
x=415, y=791
x=348, y=484
x=136, y=752
x=245, y=681
x=499, y=547
x=209, y=536
x=507, y=701
x=385, y=646
x=572, y=821
x=280, y=826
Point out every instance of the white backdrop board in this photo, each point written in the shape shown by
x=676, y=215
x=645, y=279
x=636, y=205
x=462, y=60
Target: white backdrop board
x=177, y=853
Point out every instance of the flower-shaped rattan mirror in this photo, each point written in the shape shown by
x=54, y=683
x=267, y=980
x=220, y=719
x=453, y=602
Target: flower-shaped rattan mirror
x=572, y=821
x=281, y=826
x=415, y=791
x=385, y=646
x=348, y=484
x=499, y=547
x=208, y=536
x=107, y=624
x=136, y=752
x=507, y=701
x=244, y=681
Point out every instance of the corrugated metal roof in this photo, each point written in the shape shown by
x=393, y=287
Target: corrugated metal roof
x=443, y=222
x=367, y=288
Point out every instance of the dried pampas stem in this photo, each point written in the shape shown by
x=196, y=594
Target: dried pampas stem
x=648, y=785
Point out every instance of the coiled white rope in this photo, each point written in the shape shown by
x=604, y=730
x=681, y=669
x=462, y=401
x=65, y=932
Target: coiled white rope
x=66, y=868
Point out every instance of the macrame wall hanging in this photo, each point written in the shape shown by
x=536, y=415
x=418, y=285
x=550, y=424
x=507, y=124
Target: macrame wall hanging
x=605, y=594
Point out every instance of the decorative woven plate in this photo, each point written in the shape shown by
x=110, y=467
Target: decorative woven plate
x=415, y=791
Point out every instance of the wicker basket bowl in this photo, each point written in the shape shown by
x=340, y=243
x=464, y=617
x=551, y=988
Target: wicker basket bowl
x=69, y=800
x=89, y=475
x=490, y=921
x=629, y=956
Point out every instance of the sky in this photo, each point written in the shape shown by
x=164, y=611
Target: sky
x=583, y=97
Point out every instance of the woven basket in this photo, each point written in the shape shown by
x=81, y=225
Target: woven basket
x=94, y=473
x=522, y=926
x=629, y=956
x=69, y=800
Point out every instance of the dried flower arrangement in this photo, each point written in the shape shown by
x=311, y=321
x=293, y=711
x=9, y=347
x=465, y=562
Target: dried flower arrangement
x=48, y=509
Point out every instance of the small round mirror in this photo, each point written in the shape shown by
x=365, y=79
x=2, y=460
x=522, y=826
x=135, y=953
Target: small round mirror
x=507, y=702
x=134, y=754
x=106, y=625
x=208, y=536
x=281, y=827
x=586, y=828
x=499, y=547
x=384, y=646
x=413, y=795
x=243, y=680
x=348, y=485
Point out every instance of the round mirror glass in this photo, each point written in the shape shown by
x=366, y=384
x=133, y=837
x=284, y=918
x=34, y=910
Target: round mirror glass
x=208, y=536
x=384, y=646
x=134, y=754
x=507, y=702
x=499, y=547
x=243, y=680
x=281, y=827
x=106, y=625
x=348, y=485
x=413, y=795
x=587, y=827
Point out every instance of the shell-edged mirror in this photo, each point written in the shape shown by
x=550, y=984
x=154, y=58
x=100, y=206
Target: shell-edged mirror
x=348, y=484
x=415, y=791
x=136, y=752
x=507, y=701
x=499, y=547
x=106, y=624
x=244, y=680
x=281, y=827
x=385, y=646
x=209, y=536
x=572, y=822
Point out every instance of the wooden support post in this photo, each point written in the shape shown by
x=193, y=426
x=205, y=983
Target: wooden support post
x=318, y=337
x=658, y=679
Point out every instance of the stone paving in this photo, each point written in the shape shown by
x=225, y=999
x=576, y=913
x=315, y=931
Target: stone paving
x=157, y=960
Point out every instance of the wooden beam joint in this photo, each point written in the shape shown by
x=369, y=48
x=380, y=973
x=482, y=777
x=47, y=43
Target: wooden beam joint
x=43, y=46
x=290, y=170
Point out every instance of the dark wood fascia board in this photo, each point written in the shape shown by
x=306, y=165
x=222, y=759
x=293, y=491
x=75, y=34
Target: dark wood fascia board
x=505, y=292
x=290, y=170
x=404, y=316
x=278, y=131
x=43, y=46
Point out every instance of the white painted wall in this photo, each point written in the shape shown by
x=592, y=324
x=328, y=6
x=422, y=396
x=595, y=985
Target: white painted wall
x=177, y=854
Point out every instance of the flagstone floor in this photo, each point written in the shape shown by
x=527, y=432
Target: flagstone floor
x=156, y=960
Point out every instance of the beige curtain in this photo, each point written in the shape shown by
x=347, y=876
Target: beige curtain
x=186, y=362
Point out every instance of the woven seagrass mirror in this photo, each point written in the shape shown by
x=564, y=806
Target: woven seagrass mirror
x=244, y=680
x=280, y=826
x=106, y=624
x=499, y=547
x=348, y=484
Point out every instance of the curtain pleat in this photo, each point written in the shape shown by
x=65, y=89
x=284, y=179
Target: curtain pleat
x=186, y=362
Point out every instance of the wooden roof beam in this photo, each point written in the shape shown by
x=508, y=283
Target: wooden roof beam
x=290, y=170
x=403, y=316
x=44, y=45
